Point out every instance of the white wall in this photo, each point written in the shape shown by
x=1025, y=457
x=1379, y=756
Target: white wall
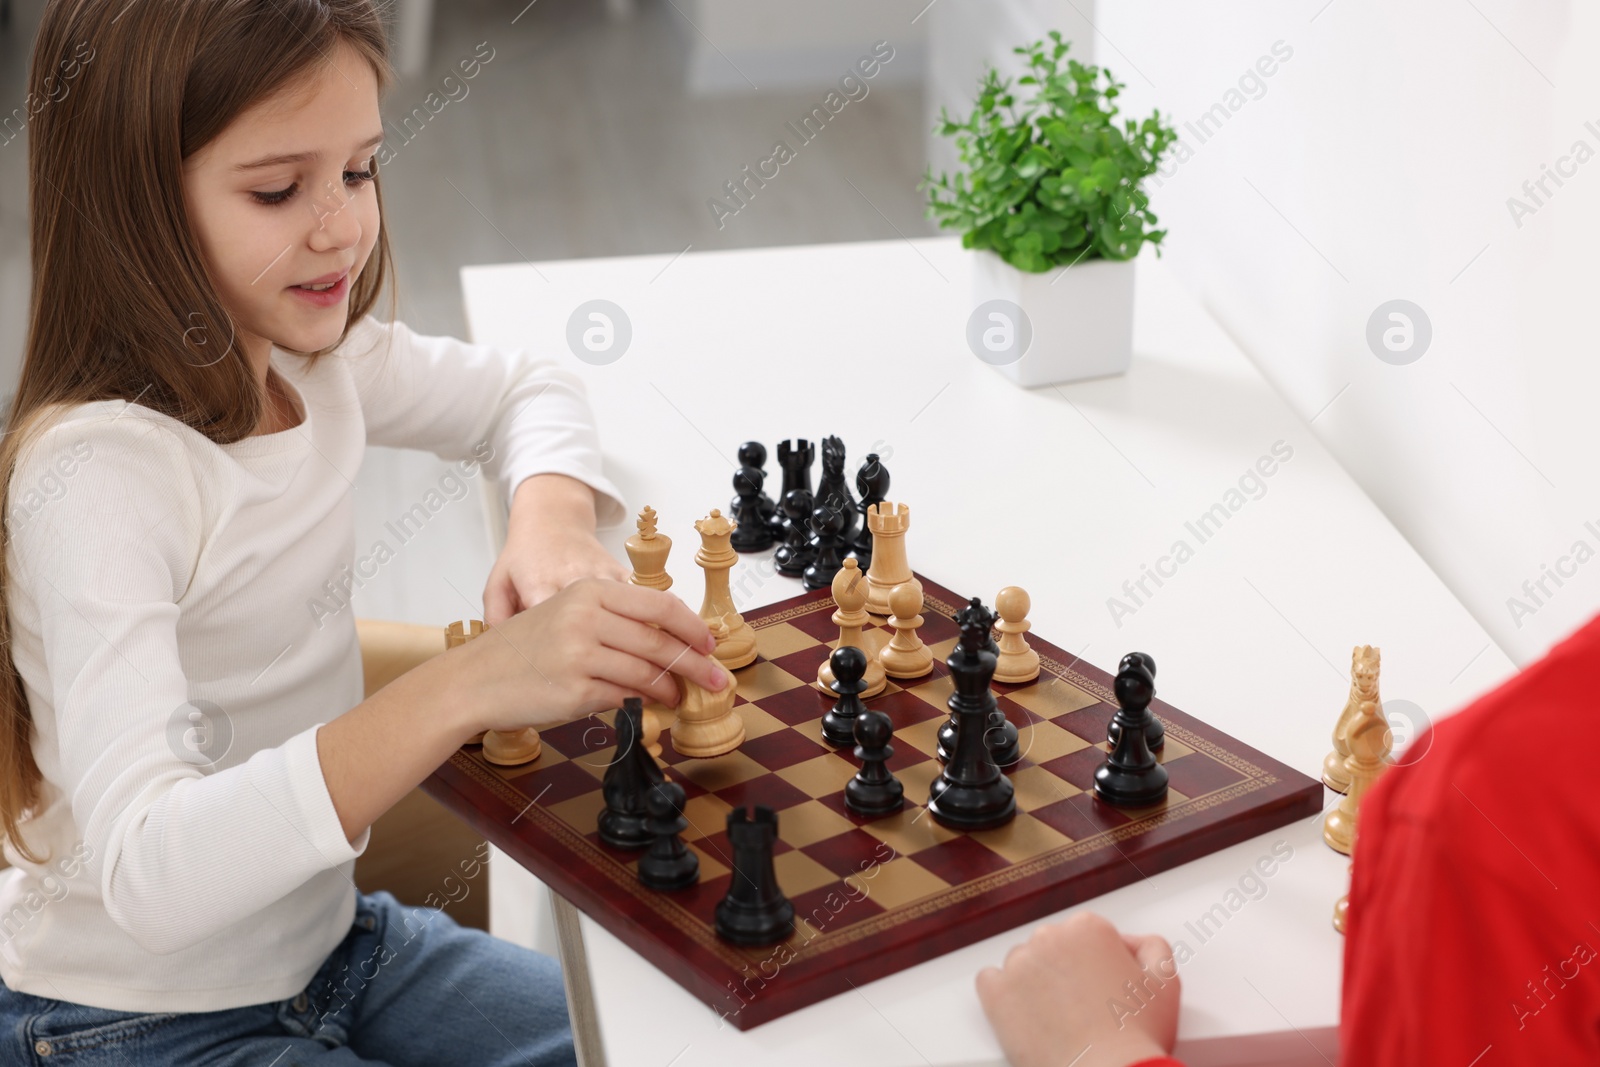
x=779, y=44
x=966, y=36
x=1374, y=164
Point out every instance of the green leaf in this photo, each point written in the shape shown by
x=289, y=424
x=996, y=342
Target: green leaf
x=1054, y=176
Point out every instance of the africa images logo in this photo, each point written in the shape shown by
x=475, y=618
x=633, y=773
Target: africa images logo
x=200, y=733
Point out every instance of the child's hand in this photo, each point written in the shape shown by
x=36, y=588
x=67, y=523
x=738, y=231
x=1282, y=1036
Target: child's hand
x=541, y=563
x=550, y=544
x=1056, y=998
x=585, y=649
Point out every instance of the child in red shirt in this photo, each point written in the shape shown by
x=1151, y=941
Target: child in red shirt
x=1474, y=916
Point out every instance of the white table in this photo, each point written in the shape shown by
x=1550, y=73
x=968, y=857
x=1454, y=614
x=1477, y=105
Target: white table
x=1068, y=492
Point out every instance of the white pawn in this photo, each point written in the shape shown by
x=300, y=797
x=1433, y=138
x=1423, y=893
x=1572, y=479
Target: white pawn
x=850, y=594
x=1018, y=663
x=905, y=656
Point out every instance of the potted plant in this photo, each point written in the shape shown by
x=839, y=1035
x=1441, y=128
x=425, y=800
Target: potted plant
x=1052, y=207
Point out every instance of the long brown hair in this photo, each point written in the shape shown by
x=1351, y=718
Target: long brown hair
x=122, y=304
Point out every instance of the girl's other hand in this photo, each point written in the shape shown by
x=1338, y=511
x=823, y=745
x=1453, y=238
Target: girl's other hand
x=585, y=649
x=550, y=544
x=540, y=565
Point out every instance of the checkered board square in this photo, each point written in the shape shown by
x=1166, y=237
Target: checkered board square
x=871, y=896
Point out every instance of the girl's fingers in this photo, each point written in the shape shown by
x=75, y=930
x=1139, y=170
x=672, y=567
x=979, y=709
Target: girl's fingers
x=664, y=650
x=633, y=674
x=497, y=603
x=604, y=697
x=661, y=609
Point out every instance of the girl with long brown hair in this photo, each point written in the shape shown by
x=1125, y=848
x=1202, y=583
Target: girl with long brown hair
x=187, y=768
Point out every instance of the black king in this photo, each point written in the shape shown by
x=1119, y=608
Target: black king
x=971, y=793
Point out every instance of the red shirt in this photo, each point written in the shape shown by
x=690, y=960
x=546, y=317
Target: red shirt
x=1473, y=935
x=1474, y=918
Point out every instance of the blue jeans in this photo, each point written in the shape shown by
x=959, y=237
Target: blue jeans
x=406, y=986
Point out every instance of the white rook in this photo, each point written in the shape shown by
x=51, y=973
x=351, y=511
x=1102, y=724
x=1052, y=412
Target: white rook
x=888, y=523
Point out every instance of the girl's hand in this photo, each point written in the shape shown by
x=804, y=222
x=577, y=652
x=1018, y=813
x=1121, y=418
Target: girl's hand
x=540, y=563
x=1063, y=996
x=585, y=649
x=550, y=544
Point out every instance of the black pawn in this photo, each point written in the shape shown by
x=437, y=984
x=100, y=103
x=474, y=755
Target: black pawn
x=832, y=490
x=754, y=454
x=1131, y=776
x=872, y=482
x=668, y=865
x=971, y=793
x=1155, y=734
x=827, y=547
x=999, y=733
x=754, y=532
x=627, y=779
x=874, y=790
x=755, y=911
x=795, y=553
x=849, y=666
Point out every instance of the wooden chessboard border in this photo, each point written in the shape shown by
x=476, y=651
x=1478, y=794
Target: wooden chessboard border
x=679, y=940
x=1255, y=778
x=663, y=904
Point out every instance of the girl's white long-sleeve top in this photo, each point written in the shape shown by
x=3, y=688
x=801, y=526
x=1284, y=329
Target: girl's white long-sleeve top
x=180, y=620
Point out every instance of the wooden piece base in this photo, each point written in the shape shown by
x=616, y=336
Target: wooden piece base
x=512, y=749
x=1018, y=673
x=1333, y=775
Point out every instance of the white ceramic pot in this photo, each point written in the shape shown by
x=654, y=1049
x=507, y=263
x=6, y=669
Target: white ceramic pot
x=1054, y=327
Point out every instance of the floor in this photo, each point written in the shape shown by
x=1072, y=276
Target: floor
x=577, y=138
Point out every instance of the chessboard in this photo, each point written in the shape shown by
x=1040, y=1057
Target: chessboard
x=872, y=896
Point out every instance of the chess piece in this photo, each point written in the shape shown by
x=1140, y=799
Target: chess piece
x=647, y=550
x=1370, y=741
x=1131, y=776
x=1018, y=662
x=827, y=547
x=752, y=531
x=795, y=554
x=905, y=656
x=850, y=595
x=1155, y=734
x=754, y=454
x=1363, y=686
x=755, y=911
x=630, y=774
x=707, y=724
x=888, y=523
x=872, y=482
x=507, y=748
x=652, y=719
x=795, y=458
x=874, y=790
x=999, y=734
x=738, y=648
x=668, y=865
x=1341, y=908
x=456, y=634
x=971, y=793
x=832, y=490
x=848, y=664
